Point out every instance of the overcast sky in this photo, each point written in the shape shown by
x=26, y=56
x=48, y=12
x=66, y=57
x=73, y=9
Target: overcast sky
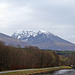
x=56, y=16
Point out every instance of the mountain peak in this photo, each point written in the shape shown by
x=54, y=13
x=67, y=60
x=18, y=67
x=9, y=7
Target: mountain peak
x=44, y=40
x=21, y=34
x=45, y=32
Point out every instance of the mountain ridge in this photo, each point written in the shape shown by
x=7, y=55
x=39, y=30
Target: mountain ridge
x=44, y=40
x=8, y=40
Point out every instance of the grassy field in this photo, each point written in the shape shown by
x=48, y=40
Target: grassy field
x=33, y=71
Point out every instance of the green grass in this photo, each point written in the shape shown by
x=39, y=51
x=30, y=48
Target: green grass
x=40, y=70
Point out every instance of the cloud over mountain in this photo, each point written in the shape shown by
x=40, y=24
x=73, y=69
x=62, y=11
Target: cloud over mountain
x=56, y=16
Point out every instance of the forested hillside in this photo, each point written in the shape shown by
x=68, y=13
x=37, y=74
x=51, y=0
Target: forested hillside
x=30, y=57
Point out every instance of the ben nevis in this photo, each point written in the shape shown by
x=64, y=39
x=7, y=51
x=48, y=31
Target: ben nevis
x=44, y=40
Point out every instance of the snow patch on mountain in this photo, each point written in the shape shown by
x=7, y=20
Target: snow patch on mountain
x=22, y=34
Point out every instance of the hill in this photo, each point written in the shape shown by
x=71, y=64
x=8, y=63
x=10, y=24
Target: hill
x=11, y=41
x=44, y=40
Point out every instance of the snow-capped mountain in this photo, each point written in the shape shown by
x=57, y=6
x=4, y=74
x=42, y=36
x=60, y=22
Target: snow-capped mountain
x=24, y=35
x=44, y=40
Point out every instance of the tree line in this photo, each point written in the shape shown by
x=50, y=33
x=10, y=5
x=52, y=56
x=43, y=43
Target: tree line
x=12, y=58
x=66, y=57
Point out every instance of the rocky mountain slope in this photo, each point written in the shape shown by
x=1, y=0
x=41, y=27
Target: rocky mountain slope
x=11, y=41
x=44, y=40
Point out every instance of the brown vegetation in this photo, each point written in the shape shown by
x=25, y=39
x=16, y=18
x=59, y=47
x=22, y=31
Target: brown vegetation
x=29, y=57
x=12, y=58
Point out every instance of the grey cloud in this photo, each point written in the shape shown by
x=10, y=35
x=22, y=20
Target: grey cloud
x=56, y=13
x=56, y=16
